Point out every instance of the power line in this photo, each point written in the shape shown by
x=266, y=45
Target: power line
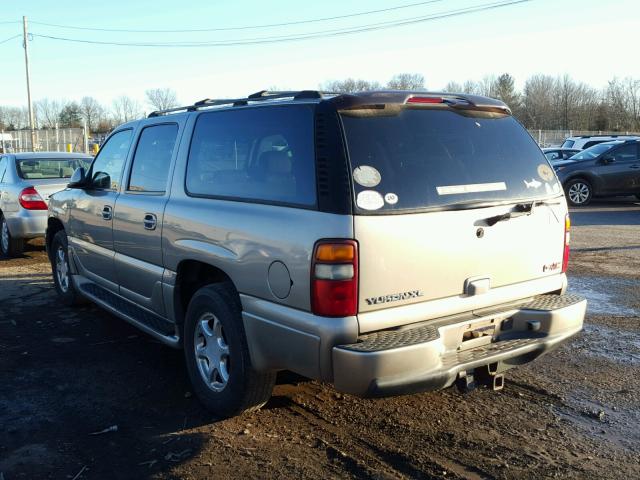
x=223, y=29
x=290, y=38
x=10, y=38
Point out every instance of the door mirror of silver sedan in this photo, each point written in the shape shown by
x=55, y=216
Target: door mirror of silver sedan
x=78, y=179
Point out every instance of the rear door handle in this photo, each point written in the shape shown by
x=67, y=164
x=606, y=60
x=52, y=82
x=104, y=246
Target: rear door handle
x=635, y=167
x=107, y=212
x=150, y=221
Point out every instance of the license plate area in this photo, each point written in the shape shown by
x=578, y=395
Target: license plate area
x=477, y=335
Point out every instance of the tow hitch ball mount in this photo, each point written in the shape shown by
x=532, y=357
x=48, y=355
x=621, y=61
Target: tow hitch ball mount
x=488, y=376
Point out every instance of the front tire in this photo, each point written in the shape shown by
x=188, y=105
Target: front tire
x=217, y=355
x=579, y=192
x=9, y=246
x=61, y=272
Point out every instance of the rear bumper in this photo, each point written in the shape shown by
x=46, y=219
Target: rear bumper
x=433, y=356
x=27, y=223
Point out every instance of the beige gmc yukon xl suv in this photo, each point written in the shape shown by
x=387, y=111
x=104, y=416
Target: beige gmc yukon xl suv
x=386, y=242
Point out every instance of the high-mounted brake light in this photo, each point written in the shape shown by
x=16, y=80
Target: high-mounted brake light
x=30, y=199
x=334, y=278
x=426, y=100
x=567, y=240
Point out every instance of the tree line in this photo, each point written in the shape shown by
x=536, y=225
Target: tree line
x=88, y=111
x=545, y=102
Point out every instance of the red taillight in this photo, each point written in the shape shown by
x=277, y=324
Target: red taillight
x=334, y=278
x=31, y=200
x=426, y=100
x=567, y=240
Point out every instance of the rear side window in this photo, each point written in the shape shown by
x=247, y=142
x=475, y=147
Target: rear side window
x=150, y=171
x=415, y=158
x=3, y=167
x=107, y=166
x=593, y=142
x=49, y=168
x=264, y=154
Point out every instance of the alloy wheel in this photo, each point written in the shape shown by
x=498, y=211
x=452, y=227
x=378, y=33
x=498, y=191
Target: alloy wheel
x=579, y=193
x=4, y=236
x=212, y=352
x=62, y=270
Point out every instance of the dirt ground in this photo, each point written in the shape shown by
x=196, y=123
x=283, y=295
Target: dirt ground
x=67, y=373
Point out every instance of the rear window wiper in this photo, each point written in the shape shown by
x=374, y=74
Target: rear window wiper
x=521, y=209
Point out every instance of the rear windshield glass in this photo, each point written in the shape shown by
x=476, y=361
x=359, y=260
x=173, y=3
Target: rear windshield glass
x=593, y=152
x=48, y=168
x=415, y=158
x=568, y=144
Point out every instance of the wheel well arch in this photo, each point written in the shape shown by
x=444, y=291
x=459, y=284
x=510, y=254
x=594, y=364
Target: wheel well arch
x=54, y=225
x=191, y=275
x=591, y=179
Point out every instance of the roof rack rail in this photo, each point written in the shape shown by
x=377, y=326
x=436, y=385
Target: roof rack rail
x=260, y=96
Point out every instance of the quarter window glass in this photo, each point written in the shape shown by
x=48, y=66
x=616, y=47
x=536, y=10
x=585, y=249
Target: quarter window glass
x=3, y=167
x=552, y=155
x=107, y=167
x=263, y=154
x=151, y=162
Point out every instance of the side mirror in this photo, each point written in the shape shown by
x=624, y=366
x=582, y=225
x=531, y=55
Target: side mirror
x=608, y=159
x=78, y=179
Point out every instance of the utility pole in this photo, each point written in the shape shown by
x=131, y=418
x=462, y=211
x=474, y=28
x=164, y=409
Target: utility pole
x=26, y=63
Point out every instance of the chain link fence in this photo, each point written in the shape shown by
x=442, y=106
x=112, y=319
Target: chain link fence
x=554, y=138
x=46, y=140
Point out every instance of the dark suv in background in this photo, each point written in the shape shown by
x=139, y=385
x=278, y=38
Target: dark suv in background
x=604, y=170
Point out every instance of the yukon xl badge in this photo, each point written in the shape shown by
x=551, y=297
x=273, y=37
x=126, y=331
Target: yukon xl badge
x=394, y=297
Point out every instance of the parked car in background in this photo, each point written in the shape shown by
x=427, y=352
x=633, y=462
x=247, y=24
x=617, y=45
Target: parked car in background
x=606, y=169
x=386, y=242
x=555, y=154
x=586, y=141
x=27, y=180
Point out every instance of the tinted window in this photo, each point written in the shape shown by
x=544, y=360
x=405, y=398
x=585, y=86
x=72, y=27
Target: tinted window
x=593, y=142
x=47, y=168
x=411, y=158
x=3, y=167
x=107, y=167
x=264, y=154
x=150, y=170
x=626, y=153
x=568, y=144
x=593, y=152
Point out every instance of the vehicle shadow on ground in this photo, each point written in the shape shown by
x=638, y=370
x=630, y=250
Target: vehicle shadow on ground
x=32, y=250
x=82, y=388
x=618, y=211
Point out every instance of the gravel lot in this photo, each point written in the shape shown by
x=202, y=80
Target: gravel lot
x=575, y=413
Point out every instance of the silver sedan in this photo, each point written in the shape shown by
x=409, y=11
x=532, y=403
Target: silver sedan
x=27, y=180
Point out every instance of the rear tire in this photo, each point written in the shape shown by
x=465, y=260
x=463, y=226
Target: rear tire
x=9, y=246
x=61, y=272
x=217, y=355
x=579, y=192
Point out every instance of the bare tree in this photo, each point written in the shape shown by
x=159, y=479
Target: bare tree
x=91, y=111
x=350, y=85
x=453, y=87
x=126, y=109
x=48, y=111
x=161, y=98
x=406, y=81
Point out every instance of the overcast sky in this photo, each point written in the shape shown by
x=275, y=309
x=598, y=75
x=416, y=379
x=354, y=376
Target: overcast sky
x=590, y=40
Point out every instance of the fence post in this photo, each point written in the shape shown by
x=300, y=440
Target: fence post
x=64, y=140
x=85, y=137
x=539, y=137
